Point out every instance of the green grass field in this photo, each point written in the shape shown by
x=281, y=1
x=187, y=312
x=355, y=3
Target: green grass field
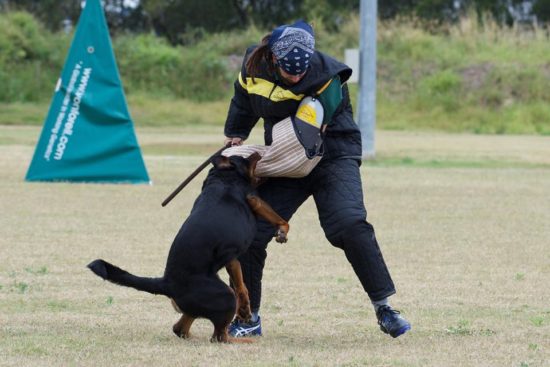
x=463, y=222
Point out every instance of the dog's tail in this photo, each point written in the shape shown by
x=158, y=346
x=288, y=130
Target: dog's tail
x=118, y=276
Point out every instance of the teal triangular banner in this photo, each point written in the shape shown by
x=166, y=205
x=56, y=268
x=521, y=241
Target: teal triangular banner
x=88, y=135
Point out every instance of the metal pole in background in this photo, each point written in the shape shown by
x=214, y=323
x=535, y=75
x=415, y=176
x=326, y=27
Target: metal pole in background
x=367, y=75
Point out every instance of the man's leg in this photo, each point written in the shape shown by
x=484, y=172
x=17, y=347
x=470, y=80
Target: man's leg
x=339, y=200
x=285, y=196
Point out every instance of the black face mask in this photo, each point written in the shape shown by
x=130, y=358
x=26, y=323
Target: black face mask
x=283, y=80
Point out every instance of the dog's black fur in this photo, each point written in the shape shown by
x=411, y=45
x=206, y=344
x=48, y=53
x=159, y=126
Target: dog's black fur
x=220, y=227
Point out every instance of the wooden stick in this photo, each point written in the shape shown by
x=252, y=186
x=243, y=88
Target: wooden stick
x=192, y=176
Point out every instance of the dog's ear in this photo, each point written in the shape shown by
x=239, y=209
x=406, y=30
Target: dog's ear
x=221, y=162
x=252, y=161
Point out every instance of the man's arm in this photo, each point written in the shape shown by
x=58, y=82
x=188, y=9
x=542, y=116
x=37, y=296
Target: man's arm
x=240, y=116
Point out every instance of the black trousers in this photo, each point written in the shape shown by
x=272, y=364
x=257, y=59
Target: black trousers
x=336, y=188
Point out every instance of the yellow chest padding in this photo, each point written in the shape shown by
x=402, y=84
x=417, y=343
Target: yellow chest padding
x=268, y=89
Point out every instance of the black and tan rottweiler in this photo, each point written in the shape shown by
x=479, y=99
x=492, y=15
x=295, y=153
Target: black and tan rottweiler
x=220, y=227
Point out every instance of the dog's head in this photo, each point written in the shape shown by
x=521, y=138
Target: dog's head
x=244, y=166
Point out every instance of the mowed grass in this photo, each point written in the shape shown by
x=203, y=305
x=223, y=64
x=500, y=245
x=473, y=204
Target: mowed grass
x=463, y=222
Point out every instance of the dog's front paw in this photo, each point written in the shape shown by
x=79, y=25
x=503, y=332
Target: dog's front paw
x=281, y=236
x=243, y=309
x=244, y=314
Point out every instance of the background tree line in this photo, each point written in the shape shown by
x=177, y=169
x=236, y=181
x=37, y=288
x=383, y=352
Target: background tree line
x=186, y=21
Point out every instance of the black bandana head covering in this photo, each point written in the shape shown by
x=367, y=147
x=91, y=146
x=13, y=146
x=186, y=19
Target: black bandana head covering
x=293, y=45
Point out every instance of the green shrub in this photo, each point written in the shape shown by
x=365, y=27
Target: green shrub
x=30, y=58
x=148, y=63
x=22, y=38
x=231, y=43
x=442, y=90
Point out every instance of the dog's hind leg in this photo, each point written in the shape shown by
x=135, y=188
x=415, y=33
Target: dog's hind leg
x=243, y=302
x=181, y=328
x=220, y=329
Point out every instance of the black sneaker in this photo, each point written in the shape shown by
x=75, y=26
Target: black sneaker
x=391, y=322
